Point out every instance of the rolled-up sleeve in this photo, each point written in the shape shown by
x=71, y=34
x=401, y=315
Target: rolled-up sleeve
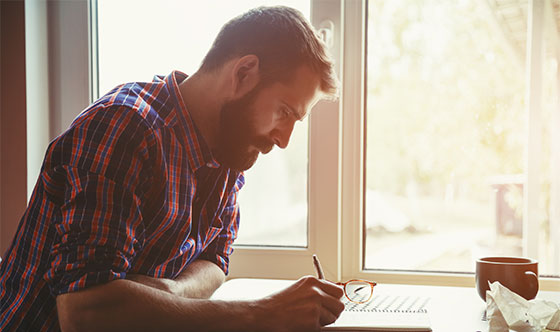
x=99, y=232
x=95, y=178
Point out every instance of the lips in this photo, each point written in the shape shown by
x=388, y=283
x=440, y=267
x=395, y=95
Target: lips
x=262, y=145
x=266, y=149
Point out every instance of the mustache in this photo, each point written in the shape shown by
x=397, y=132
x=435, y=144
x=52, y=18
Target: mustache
x=265, y=145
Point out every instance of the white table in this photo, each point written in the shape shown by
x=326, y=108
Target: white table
x=451, y=309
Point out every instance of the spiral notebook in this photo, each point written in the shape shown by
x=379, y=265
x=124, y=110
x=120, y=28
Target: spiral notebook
x=384, y=313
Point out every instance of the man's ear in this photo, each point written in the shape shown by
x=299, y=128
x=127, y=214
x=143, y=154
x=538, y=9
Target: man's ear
x=245, y=75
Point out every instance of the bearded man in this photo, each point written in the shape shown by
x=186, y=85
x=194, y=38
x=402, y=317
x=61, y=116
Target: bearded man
x=133, y=217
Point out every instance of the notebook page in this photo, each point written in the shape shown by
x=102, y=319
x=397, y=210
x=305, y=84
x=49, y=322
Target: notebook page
x=384, y=312
x=390, y=303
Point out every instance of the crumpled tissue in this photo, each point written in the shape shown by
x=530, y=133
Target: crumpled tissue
x=507, y=311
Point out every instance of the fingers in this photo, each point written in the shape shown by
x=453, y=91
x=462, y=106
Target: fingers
x=306, y=305
x=326, y=286
x=327, y=317
x=333, y=304
x=329, y=299
x=332, y=289
x=331, y=307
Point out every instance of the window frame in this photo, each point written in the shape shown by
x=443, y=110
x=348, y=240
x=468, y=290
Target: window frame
x=336, y=157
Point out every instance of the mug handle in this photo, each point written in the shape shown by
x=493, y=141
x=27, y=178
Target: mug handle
x=534, y=284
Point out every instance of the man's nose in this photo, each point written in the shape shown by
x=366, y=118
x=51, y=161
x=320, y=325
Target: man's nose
x=281, y=136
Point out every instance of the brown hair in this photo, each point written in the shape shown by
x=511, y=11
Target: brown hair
x=281, y=38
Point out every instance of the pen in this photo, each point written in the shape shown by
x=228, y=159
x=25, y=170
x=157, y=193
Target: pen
x=318, y=268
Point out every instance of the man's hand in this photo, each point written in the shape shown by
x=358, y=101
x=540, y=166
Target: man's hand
x=307, y=305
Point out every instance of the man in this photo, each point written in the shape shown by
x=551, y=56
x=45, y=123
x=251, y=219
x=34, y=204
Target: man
x=133, y=216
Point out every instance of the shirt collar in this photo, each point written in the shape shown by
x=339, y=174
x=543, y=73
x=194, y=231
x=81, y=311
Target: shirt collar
x=198, y=152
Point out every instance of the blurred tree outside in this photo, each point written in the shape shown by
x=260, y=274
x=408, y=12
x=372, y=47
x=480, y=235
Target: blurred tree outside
x=445, y=113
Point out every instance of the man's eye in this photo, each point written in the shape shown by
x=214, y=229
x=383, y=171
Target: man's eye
x=284, y=112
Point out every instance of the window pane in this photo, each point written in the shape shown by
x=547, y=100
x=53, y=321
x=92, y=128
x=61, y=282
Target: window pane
x=141, y=38
x=446, y=133
x=274, y=199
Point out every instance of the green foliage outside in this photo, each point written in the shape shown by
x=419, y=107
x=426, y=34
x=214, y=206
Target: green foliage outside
x=445, y=105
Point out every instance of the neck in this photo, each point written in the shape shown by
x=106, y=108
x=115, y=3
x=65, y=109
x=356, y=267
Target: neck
x=201, y=95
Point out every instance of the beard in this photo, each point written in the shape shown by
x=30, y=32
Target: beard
x=238, y=143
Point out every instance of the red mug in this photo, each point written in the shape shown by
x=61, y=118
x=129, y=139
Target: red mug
x=518, y=274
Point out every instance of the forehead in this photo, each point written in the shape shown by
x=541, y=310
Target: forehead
x=301, y=92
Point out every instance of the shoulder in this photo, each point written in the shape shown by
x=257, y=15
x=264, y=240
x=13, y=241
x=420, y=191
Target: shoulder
x=145, y=103
x=121, y=125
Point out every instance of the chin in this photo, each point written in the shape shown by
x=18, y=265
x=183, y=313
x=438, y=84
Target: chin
x=239, y=161
x=249, y=162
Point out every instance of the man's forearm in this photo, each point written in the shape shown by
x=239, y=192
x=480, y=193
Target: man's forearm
x=198, y=281
x=124, y=305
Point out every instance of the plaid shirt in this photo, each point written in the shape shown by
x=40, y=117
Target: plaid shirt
x=130, y=187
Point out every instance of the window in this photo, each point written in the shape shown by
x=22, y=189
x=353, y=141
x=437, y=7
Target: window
x=447, y=138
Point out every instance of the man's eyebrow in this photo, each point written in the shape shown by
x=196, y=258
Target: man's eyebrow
x=294, y=112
